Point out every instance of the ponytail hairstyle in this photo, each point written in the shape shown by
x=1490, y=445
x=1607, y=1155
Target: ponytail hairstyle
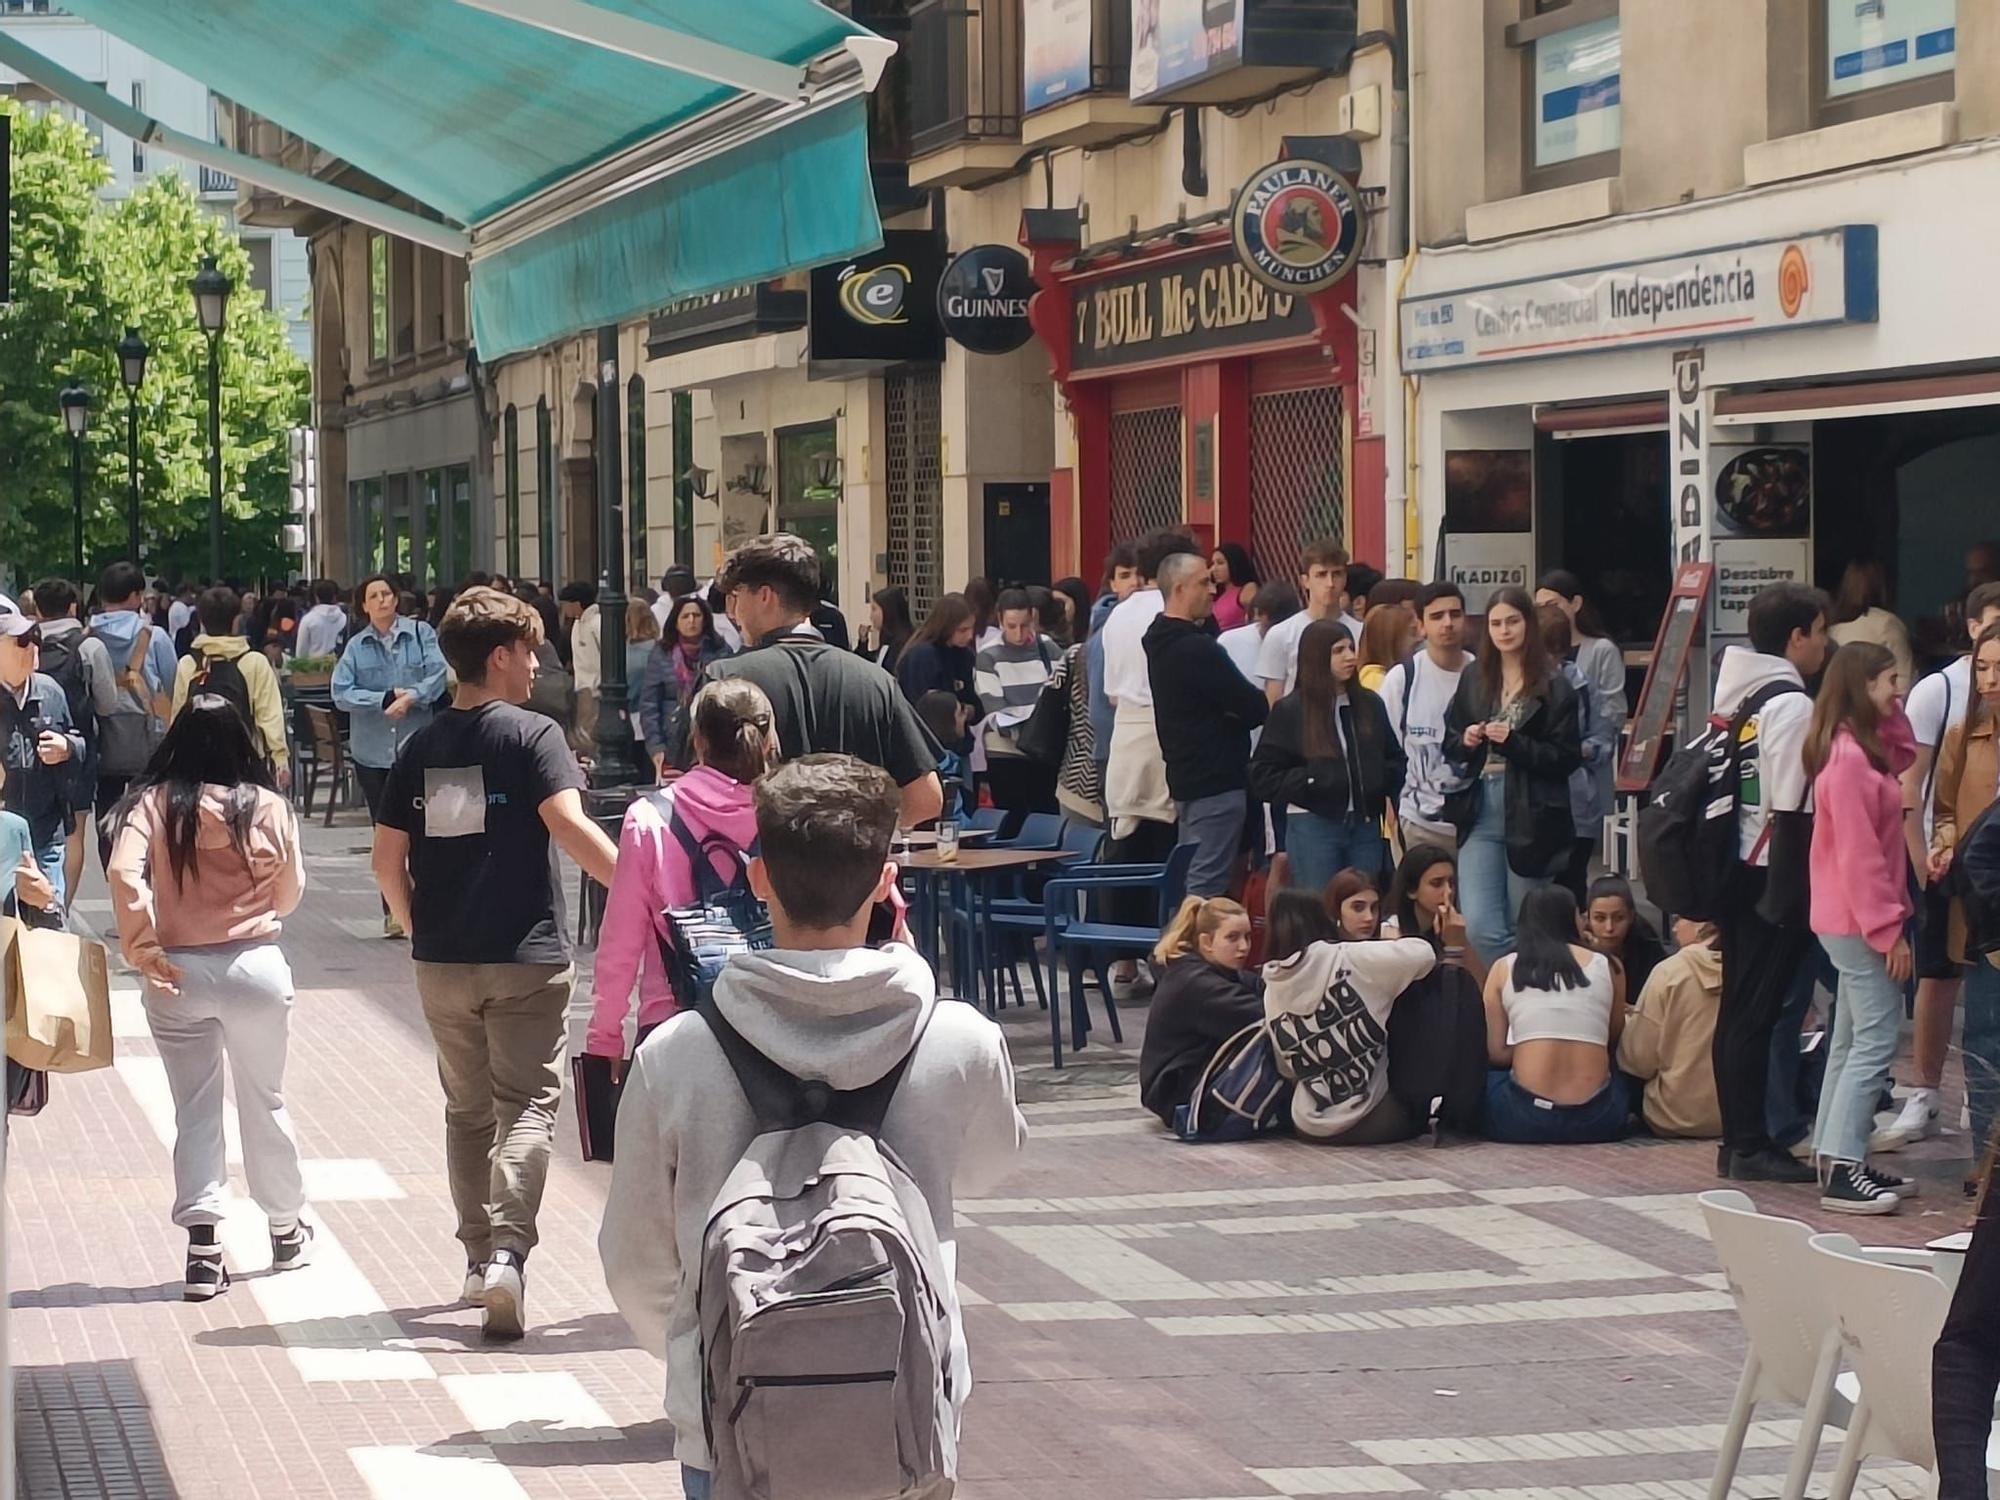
x=1844, y=703
x=733, y=729
x=1198, y=917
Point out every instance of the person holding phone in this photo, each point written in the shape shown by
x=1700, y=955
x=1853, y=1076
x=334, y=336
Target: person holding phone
x=39, y=747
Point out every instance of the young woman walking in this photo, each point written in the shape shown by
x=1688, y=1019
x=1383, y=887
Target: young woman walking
x=204, y=868
x=1855, y=751
x=1514, y=727
x=673, y=673
x=1329, y=757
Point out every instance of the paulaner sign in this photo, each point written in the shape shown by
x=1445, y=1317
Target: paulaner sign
x=1799, y=281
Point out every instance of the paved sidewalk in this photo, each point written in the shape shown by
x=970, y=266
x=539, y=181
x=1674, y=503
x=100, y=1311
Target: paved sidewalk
x=1148, y=1320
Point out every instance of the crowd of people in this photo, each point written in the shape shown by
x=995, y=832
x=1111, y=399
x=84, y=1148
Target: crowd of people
x=1396, y=918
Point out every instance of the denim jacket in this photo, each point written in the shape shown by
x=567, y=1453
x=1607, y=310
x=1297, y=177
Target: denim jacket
x=372, y=667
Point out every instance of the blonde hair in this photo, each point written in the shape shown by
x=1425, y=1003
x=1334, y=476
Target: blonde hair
x=639, y=623
x=1198, y=917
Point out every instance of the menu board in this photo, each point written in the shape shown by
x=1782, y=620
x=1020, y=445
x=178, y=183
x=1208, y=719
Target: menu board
x=1686, y=607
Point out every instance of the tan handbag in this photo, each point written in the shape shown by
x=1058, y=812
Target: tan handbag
x=58, y=999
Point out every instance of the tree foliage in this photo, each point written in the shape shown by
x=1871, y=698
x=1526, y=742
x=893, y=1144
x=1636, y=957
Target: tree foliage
x=83, y=270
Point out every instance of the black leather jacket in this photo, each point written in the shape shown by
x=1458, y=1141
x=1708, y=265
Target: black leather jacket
x=1540, y=753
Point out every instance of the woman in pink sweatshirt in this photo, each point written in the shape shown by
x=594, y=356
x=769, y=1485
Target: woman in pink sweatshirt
x=204, y=867
x=1856, y=751
x=734, y=744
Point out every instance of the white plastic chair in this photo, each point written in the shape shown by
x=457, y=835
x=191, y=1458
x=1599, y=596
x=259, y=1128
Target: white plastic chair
x=1794, y=1338
x=1890, y=1316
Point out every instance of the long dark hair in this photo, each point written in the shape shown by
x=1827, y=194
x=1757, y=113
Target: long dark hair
x=670, y=638
x=1544, y=934
x=1078, y=593
x=1843, y=703
x=1241, y=569
x=1316, y=687
x=207, y=745
x=1293, y=922
x=1562, y=581
x=981, y=595
x=895, y=607
x=1536, y=668
x=1417, y=862
x=950, y=612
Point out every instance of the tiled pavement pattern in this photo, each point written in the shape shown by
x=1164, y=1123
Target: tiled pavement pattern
x=1148, y=1320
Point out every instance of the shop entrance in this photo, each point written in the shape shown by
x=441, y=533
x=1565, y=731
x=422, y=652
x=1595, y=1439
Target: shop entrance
x=1603, y=515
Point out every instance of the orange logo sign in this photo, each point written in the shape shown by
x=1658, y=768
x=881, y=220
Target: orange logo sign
x=1793, y=281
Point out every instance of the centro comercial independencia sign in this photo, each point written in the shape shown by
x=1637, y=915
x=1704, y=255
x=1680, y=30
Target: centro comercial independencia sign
x=1799, y=281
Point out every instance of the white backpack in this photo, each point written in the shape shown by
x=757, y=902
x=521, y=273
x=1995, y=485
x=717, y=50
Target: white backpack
x=824, y=1303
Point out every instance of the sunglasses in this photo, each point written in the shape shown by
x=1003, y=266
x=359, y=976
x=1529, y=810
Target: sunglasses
x=29, y=637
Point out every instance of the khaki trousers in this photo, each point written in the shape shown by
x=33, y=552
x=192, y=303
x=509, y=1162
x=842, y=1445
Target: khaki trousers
x=501, y=1031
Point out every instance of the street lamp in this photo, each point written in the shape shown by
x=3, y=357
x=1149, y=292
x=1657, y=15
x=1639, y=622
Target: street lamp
x=211, y=306
x=76, y=417
x=132, y=353
x=617, y=756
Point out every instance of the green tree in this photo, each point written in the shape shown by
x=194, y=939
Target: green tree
x=84, y=271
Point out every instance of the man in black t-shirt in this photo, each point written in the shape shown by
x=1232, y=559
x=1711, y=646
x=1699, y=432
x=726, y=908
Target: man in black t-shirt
x=823, y=698
x=472, y=814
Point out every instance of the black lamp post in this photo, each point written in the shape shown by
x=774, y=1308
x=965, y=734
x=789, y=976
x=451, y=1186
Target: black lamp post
x=211, y=305
x=132, y=353
x=76, y=417
x=617, y=755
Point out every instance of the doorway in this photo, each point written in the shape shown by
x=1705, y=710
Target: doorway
x=1017, y=533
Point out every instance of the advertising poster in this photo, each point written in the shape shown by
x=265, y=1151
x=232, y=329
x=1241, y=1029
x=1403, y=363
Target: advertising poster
x=1577, y=109
x=1871, y=43
x=1177, y=41
x=1056, y=39
x=1762, y=523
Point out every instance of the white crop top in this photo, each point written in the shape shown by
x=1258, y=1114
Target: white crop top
x=1582, y=1015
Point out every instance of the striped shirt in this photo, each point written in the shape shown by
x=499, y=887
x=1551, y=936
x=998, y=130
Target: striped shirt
x=1009, y=679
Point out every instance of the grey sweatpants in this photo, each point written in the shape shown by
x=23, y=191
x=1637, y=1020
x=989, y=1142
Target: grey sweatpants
x=235, y=1000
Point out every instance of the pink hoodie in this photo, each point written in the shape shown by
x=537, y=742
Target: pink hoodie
x=1860, y=867
x=653, y=874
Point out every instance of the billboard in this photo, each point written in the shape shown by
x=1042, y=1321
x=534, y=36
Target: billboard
x=1177, y=41
x=1056, y=40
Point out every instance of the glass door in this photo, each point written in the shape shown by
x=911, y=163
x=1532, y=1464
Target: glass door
x=808, y=499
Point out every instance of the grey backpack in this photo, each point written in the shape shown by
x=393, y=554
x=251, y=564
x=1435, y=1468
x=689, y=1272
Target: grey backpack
x=824, y=1304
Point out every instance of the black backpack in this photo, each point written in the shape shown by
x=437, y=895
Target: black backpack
x=1687, y=825
x=223, y=676
x=62, y=659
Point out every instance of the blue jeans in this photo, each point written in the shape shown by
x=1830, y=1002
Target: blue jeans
x=1488, y=891
x=50, y=858
x=1214, y=825
x=1867, y=1023
x=1982, y=1049
x=695, y=1483
x=1321, y=847
x=1789, y=1095
x=1514, y=1114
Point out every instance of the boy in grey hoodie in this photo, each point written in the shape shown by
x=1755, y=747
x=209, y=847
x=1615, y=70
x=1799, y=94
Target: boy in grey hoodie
x=823, y=1006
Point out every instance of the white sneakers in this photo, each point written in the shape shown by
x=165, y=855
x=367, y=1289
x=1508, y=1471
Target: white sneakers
x=502, y=1294
x=1918, y=1121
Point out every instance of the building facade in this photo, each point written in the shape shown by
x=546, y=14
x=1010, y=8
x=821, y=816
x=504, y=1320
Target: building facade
x=1705, y=281
x=278, y=270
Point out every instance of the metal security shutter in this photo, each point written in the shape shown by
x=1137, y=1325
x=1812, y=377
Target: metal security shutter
x=1298, y=480
x=1145, y=471
x=914, y=474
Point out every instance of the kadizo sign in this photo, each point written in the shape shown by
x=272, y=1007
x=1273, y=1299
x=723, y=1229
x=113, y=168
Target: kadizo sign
x=1800, y=281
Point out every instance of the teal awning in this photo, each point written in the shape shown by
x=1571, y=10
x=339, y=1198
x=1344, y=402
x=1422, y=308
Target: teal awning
x=606, y=157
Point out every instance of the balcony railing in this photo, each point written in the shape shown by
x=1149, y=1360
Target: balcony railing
x=965, y=72
x=212, y=181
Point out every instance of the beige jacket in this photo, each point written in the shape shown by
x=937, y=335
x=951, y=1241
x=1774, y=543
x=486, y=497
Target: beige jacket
x=229, y=896
x=1669, y=1042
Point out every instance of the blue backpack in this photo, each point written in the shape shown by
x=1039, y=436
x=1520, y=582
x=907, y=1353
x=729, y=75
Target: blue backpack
x=724, y=919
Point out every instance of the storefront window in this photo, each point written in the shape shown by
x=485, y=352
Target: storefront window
x=431, y=573
x=1576, y=95
x=396, y=539
x=378, y=297
x=1878, y=55
x=365, y=524
x=683, y=431
x=635, y=477
x=808, y=501
x=458, y=552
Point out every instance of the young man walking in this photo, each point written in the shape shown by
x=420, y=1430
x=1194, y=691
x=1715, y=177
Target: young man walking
x=471, y=816
x=835, y=1015
x=1765, y=922
x=79, y=662
x=1417, y=692
x=40, y=747
x=823, y=699
x=1323, y=587
x=220, y=661
x=1009, y=676
x=1204, y=712
x=322, y=627
x=142, y=707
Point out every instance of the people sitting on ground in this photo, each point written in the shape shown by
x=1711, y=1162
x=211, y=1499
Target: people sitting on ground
x=1856, y=750
x=1329, y=1003
x=1554, y=1011
x=822, y=1007
x=1669, y=1039
x=1423, y=902
x=1204, y=994
x=705, y=814
x=1613, y=926
x=1354, y=901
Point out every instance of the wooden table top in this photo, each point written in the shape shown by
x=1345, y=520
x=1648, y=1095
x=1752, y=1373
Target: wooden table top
x=926, y=838
x=975, y=860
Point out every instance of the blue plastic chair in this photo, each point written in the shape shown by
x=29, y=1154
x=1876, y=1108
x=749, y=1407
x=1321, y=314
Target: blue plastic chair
x=1015, y=917
x=1073, y=936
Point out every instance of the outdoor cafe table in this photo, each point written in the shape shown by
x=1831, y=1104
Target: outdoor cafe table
x=974, y=867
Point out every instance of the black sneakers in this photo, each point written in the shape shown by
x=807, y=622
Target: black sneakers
x=207, y=1276
x=1852, y=1189
x=290, y=1249
x=1768, y=1165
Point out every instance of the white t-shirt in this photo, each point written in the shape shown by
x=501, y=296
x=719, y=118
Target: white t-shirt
x=1419, y=725
x=1278, y=658
x=178, y=614
x=1241, y=646
x=1125, y=677
x=1935, y=704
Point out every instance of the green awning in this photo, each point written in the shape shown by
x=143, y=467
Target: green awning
x=605, y=158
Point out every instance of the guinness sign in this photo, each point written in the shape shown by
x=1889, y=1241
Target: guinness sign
x=983, y=297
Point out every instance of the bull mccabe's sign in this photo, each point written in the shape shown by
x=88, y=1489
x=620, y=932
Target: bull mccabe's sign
x=1179, y=309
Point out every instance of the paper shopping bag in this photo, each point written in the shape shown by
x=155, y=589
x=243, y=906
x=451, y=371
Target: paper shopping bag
x=58, y=999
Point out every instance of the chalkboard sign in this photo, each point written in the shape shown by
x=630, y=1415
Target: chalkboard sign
x=1686, y=607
